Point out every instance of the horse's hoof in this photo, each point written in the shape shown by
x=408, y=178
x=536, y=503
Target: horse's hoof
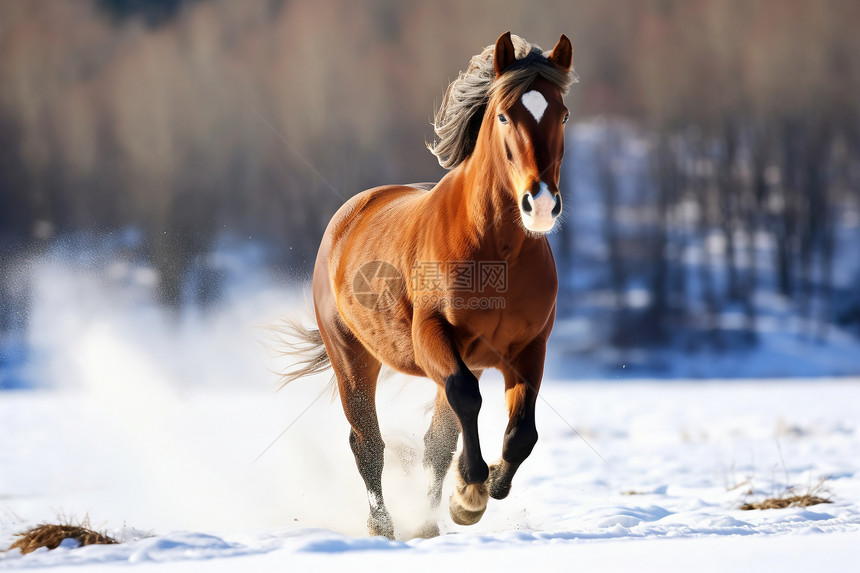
x=468, y=503
x=463, y=516
x=380, y=525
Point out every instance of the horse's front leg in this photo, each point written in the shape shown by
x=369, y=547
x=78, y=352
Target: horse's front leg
x=437, y=354
x=522, y=382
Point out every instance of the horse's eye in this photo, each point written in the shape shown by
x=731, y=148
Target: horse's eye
x=566, y=117
x=503, y=118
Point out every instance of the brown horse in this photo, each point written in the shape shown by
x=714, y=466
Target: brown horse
x=448, y=281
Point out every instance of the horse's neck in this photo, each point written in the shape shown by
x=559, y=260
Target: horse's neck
x=490, y=227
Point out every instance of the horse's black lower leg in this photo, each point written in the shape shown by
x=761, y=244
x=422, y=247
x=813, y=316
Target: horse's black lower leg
x=438, y=356
x=469, y=500
x=464, y=396
x=522, y=382
x=520, y=438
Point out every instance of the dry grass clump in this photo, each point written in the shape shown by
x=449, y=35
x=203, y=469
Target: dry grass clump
x=804, y=500
x=51, y=535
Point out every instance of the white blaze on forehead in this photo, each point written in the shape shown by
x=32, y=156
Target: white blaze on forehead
x=535, y=103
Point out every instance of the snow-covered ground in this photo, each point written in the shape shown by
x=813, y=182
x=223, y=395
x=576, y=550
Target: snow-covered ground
x=650, y=479
x=157, y=428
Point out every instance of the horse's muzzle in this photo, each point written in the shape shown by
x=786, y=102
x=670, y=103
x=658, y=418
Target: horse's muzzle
x=540, y=211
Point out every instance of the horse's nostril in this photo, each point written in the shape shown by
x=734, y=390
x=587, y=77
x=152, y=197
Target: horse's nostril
x=528, y=207
x=556, y=211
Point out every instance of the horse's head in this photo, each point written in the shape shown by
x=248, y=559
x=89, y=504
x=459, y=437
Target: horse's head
x=526, y=115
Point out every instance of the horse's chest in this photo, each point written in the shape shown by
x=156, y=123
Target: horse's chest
x=508, y=317
x=487, y=338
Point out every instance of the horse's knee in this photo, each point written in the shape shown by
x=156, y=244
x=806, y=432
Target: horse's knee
x=519, y=442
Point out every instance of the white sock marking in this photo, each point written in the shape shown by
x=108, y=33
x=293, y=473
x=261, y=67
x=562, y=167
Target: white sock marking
x=374, y=501
x=535, y=103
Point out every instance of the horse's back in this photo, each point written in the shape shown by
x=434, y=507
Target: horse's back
x=372, y=203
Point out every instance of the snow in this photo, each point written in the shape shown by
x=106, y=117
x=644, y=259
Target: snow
x=157, y=428
x=172, y=471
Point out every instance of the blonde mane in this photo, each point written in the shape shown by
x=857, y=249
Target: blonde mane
x=459, y=118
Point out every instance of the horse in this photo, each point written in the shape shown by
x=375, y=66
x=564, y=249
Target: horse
x=445, y=281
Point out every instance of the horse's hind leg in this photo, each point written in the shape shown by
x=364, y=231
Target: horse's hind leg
x=357, y=372
x=440, y=441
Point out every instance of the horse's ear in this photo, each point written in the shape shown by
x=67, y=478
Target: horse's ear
x=504, y=55
x=562, y=54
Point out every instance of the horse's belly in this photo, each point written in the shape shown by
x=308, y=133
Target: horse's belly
x=386, y=333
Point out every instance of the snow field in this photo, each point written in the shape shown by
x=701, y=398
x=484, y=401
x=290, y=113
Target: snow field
x=680, y=458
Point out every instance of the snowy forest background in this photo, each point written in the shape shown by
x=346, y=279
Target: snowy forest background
x=168, y=168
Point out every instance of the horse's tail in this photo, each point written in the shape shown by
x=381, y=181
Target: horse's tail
x=304, y=345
